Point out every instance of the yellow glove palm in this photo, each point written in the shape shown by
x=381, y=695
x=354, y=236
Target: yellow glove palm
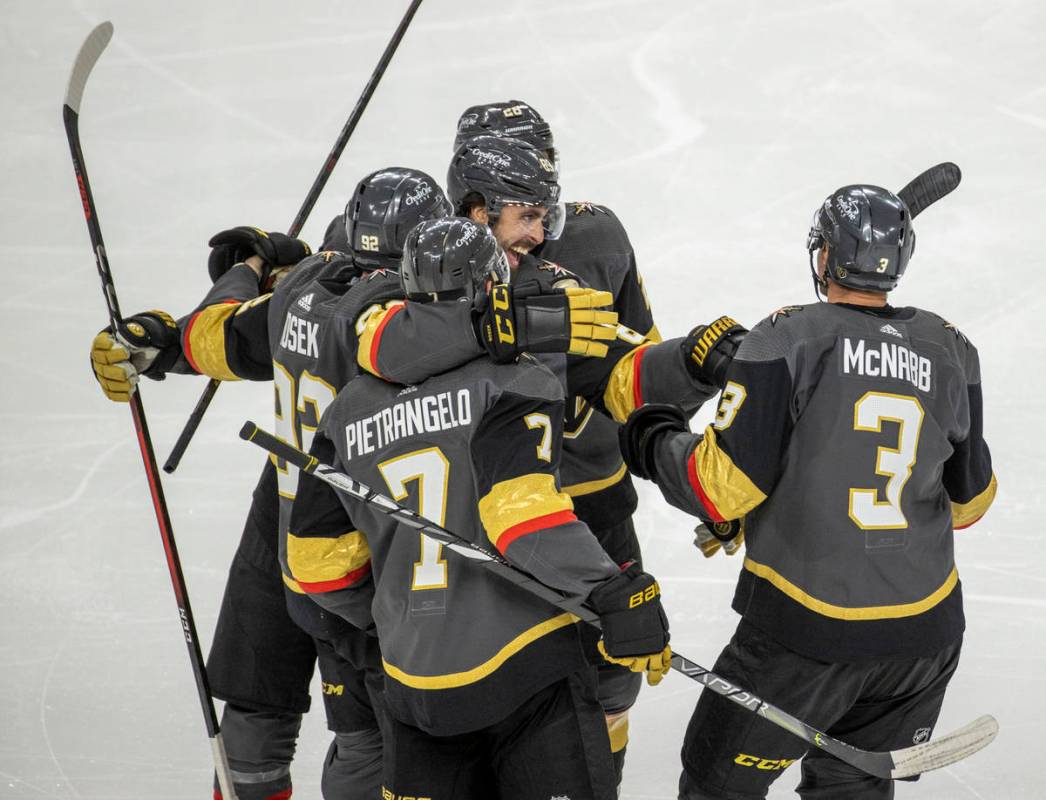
x=655, y=665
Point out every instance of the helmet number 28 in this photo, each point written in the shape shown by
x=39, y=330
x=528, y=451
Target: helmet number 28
x=895, y=463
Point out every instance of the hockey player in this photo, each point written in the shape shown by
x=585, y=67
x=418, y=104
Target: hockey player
x=487, y=688
x=261, y=663
x=511, y=186
x=848, y=443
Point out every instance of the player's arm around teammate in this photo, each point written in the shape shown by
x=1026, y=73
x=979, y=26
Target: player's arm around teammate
x=225, y=337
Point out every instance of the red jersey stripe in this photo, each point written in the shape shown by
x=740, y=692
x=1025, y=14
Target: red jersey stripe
x=509, y=535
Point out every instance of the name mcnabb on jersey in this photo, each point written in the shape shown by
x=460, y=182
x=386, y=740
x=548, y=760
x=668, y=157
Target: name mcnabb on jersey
x=432, y=413
x=887, y=360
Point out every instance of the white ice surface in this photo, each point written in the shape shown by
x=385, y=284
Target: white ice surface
x=714, y=129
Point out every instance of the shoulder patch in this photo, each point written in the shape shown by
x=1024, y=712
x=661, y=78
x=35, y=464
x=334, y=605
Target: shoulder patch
x=958, y=333
x=328, y=255
x=558, y=272
x=586, y=207
x=784, y=312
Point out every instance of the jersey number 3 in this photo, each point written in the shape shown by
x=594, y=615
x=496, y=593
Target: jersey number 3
x=894, y=463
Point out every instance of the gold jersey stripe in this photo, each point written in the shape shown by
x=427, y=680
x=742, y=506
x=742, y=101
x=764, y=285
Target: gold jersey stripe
x=454, y=679
x=291, y=584
x=508, y=503
x=598, y=485
x=853, y=613
x=617, y=727
x=965, y=514
x=314, y=559
x=724, y=483
x=654, y=335
x=370, y=337
x=205, y=342
x=620, y=396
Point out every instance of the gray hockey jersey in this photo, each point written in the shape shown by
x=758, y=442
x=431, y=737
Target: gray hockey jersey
x=475, y=450
x=849, y=441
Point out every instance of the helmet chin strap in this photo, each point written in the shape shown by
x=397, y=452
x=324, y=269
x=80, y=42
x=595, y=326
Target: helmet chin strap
x=820, y=283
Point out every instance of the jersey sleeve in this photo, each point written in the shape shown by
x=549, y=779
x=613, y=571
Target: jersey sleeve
x=327, y=557
x=227, y=336
x=636, y=371
x=406, y=342
x=632, y=304
x=526, y=517
x=968, y=476
x=734, y=465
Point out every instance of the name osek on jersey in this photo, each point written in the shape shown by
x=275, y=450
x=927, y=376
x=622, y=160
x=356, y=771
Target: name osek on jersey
x=300, y=336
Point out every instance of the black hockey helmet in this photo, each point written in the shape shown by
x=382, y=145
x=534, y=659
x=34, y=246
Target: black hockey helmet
x=383, y=209
x=450, y=259
x=869, y=235
x=514, y=119
x=501, y=172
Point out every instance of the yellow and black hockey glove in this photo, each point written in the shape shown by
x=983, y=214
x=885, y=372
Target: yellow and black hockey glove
x=726, y=536
x=709, y=349
x=635, y=628
x=146, y=344
x=522, y=318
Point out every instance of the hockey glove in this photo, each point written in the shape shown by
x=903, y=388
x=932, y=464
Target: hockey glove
x=726, y=536
x=277, y=250
x=635, y=628
x=709, y=349
x=639, y=436
x=146, y=344
x=521, y=318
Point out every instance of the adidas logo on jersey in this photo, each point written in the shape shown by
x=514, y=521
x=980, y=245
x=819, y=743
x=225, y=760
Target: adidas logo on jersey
x=305, y=301
x=890, y=329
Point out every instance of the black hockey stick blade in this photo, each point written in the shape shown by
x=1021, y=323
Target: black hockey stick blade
x=930, y=186
x=896, y=764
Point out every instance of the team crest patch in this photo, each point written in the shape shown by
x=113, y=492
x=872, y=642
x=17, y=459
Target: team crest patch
x=556, y=270
x=586, y=207
x=329, y=255
x=958, y=333
x=784, y=311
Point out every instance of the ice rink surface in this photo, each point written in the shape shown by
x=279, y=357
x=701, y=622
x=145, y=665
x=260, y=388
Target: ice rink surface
x=713, y=129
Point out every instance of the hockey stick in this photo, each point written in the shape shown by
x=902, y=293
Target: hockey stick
x=927, y=188
x=902, y=763
x=171, y=464
x=89, y=53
